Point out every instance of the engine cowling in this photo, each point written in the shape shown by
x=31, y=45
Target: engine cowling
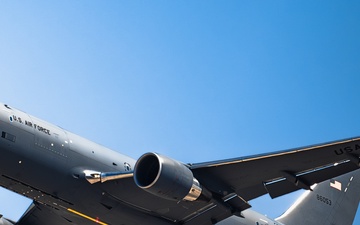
x=166, y=178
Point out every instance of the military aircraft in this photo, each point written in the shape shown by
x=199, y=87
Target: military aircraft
x=72, y=180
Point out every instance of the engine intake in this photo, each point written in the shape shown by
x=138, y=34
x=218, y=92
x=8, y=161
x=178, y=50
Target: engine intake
x=166, y=178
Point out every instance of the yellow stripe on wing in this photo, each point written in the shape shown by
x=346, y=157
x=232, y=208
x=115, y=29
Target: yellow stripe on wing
x=86, y=217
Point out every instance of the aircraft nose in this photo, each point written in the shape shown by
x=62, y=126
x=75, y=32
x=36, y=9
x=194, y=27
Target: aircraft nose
x=5, y=113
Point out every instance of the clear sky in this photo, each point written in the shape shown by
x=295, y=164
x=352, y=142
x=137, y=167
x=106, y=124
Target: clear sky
x=194, y=80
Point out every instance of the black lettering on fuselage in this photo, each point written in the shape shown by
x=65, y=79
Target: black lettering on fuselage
x=42, y=129
x=27, y=123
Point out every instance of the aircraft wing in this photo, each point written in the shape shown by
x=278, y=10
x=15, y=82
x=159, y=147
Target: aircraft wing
x=232, y=183
x=280, y=172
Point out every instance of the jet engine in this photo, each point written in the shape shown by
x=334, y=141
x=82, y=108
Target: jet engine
x=166, y=178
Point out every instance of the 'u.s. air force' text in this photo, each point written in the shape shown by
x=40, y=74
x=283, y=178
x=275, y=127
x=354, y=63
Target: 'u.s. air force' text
x=347, y=149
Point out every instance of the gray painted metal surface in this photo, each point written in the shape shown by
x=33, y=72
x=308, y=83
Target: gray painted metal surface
x=76, y=181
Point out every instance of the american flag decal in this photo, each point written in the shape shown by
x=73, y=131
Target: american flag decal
x=335, y=184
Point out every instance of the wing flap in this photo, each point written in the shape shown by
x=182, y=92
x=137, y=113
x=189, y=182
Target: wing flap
x=290, y=183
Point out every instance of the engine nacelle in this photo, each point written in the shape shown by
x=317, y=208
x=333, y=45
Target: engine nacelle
x=166, y=178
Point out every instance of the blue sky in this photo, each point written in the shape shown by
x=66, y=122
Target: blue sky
x=197, y=81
